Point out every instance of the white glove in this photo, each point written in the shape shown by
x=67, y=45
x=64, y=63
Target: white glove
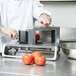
x=10, y=32
x=44, y=20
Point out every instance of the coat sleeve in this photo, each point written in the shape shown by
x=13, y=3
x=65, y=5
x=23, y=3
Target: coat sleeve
x=38, y=9
x=0, y=12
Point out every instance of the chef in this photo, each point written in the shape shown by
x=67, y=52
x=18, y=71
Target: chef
x=19, y=14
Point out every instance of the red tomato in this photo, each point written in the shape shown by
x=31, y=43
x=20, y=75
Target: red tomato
x=27, y=59
x=40, y=60
x=32, y=58
x=36, y=54
x=37, y=36
x=42, y=22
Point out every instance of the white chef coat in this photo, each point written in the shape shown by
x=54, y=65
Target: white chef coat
x=19, y=14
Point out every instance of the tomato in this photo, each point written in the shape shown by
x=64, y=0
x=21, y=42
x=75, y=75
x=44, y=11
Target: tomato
x=35, y=56
x=36, y=53
x=37, y=36
x=42, y=22
x=40, y=60
x=27, y=59
x=32, y=58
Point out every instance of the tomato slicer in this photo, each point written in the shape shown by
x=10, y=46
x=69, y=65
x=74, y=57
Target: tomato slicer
x=48, y=44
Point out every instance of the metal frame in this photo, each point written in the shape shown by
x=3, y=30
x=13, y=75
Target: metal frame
x=31, y=44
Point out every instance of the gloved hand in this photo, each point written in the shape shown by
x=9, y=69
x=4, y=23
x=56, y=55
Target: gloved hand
x=10, y=32
x=44, y=20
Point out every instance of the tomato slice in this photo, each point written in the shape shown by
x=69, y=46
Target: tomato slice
x=42, y=22
x=11, y=35
x=37, y=36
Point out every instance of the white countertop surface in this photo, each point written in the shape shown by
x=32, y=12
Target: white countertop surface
x=15, y=67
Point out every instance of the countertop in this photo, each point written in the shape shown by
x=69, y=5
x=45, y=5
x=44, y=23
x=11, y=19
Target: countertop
x=15, y=67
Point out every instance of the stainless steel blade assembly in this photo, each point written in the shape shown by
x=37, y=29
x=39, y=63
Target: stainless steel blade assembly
x=48, y=44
